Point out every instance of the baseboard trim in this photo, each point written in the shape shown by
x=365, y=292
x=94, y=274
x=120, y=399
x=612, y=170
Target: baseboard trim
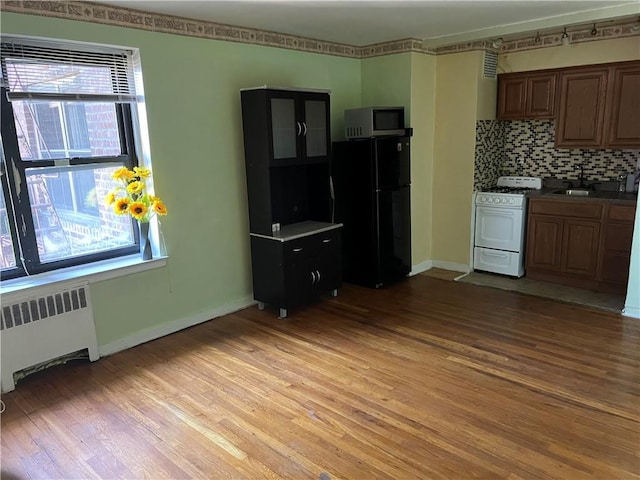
x=455, y=267
x=421, y=267
x=629, y=311
x=172, y=327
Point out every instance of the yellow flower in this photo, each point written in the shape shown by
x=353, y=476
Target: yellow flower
x=122, y=206
x=138, y=210
x=159, y=207
x=130, y=197
x=142, y=172
x=123, y=173
x=135, y=188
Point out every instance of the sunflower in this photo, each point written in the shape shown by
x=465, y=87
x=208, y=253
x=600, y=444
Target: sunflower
x=138, y=210
x=142, y=172
x=110, y=198
x=123, y=173
x=135, y=188
x=122, y=206
x=159, y=207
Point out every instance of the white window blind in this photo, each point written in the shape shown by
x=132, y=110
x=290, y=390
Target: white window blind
x=39, y=70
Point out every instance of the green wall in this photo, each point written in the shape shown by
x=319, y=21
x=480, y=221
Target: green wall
x=193, y=105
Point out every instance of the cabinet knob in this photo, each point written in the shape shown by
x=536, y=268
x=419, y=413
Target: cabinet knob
x=318, y=274
x=299, y=128
x=313, y=278
x=304, y=124
x=326, y=240
x=298, y=249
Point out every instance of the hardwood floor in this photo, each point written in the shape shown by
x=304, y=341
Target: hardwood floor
x=428, y=379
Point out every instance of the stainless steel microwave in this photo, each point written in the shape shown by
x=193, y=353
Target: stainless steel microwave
x=368, y=122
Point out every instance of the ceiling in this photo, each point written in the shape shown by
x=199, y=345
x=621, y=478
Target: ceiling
x=366, y=22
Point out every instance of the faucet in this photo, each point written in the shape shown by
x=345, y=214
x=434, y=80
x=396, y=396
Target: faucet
x=582, y=184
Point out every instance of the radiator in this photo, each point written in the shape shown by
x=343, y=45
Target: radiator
x=38, y=329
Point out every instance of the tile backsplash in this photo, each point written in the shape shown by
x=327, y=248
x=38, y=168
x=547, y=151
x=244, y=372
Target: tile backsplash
x=526, y=148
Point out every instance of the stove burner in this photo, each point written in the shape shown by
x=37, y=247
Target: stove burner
x=514, y=190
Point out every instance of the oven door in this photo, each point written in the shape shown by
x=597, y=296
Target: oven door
x=500, y=228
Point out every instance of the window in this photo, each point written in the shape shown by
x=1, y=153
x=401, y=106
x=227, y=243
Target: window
x=68, y=116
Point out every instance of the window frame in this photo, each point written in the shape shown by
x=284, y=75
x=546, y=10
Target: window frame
x=18, y=204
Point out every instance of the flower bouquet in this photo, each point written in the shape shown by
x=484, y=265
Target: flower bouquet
x=131, y=198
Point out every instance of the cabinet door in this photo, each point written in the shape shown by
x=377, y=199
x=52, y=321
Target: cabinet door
x=580, y=247
x=298, y=267
x=284, y=130
x=327, y=261
x=541, y=94
x=315, y=131
x=582, y=102
x=512, y=95
x=624, y=108
x=544, y=242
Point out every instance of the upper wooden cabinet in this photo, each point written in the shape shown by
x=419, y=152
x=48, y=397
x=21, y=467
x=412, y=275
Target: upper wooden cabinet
x=599, y=106
x=623, y=113
x=526, y=95
x=582, y=105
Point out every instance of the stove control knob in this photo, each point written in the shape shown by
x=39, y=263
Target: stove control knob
x=504, y=200
x=490, y=199
x=512, y=201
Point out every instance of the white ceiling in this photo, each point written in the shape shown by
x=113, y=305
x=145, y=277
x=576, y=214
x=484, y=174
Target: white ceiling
x=365, y=22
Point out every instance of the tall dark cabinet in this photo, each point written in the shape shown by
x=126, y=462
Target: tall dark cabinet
x=295, y=246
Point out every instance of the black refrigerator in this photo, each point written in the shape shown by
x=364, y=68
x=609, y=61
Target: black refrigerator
x=371, y=192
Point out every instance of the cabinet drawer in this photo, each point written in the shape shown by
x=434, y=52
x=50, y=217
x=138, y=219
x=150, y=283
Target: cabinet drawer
x=311, y=244
x=621, y=213
x=567, y=209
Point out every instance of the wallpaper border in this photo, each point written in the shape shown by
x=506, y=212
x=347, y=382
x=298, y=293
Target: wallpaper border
x=130, y=18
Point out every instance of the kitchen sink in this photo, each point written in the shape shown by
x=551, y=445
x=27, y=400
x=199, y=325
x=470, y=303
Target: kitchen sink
x=576, y=192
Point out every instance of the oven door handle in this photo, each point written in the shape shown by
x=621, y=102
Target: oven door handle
x=501, y=210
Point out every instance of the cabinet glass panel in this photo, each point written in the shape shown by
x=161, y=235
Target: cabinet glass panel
x=283, y=121
x=316, y=127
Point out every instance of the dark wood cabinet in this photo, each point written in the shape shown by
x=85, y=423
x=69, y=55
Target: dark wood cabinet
x=583, y=243
x=562, y=244
x=599, y=106
x=287, y=151
x=544, y=243
x=618, y=235
x=526, y=95
x=287, y=157
x=293, y=125
x=291, y=270
x=623, y=113
x=582, y=106
x=563, y=240
x=579, y=249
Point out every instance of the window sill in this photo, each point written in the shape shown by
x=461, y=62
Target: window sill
x=90, y=273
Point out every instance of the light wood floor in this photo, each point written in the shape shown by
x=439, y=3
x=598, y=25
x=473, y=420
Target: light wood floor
x=428, y=379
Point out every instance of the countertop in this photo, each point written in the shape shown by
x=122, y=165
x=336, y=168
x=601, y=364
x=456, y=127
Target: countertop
x=594, y=195
x=299, y=230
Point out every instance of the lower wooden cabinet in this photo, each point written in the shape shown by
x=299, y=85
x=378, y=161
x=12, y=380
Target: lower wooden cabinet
x=583, y=243
x=289, y=271
x=616, y=255
x=580, y=242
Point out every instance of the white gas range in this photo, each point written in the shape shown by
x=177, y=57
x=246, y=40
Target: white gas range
x=500, y=219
